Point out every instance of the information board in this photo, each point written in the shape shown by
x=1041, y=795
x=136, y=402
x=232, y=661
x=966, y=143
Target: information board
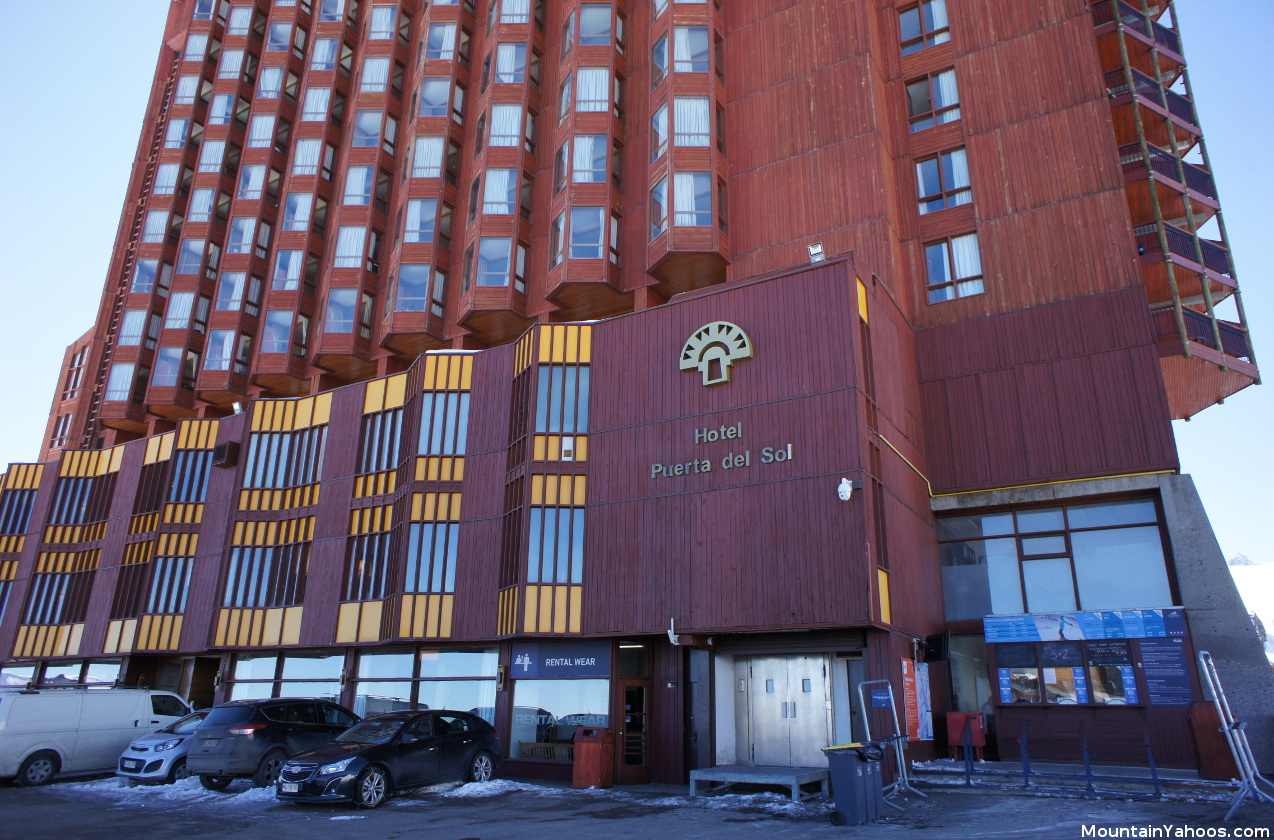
x=1163, y=667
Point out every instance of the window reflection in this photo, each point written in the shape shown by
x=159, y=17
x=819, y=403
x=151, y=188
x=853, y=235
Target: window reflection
x=373, y=698
x=546, y=714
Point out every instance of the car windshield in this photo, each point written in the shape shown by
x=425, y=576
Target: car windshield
x=186, y=725
x=371, y=731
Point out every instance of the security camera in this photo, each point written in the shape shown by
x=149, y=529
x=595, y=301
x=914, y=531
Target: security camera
x=845, y=490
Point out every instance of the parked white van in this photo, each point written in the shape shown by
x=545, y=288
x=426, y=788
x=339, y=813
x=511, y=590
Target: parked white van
x=48, y=731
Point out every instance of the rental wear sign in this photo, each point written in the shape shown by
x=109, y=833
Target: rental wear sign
x=589, y=658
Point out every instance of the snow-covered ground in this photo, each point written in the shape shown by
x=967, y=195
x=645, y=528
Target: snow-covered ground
x=1256, y=587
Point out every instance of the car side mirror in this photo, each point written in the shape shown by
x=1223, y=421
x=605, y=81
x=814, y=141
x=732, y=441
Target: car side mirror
x=408, y=737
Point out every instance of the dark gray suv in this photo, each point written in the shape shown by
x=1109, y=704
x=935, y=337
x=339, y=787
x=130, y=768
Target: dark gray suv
x=252, y=738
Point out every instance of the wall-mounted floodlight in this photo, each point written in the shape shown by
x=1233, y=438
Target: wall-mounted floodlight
x=238, y=408
x=816, y=253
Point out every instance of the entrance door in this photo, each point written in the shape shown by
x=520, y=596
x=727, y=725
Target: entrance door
x=788, y=719
x=632, y=733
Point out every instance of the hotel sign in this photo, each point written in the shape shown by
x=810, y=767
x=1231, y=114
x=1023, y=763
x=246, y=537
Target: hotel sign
x=713, y=349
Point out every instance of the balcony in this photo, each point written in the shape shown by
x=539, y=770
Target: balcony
x=1189, y=272
x=1204, y=359
x=1144, y=34
x=1171, y=180
x=281, y=374
x=1172, y=118
x=494, y=315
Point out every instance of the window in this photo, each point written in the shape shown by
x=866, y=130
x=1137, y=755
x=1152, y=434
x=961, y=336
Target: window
x=564, y=99
x=557, y=240
x=203, y=9
x=270, y=83
x=296, y=211
x=427, y=162
x=510, y=64
x=586, y=233
x=419, y=226
x=444, y=423
x=323, y=55
x=190, y=256
x=375, y=74
x=221, y=111
x=175, y=134
x=431, y=556
x=923, y=26
x=933, y=100
x=239, y=240
x=568, y=33
x=659, y=208
x=279, y=36
x=366, y=567
x=659, y=132
x=506, y=125
x=359, y=181
x=381, y=27
x=690, y=49
x=340, y=310
x=690, y=118
x=953, y=268
x=132, y=327
x=594, y=25
x=287, y=271
x=501, y=192
x=187, y=88
x=196, y=46
x=156, y=226
x=943, y=181
x=266, y=576
x=349, y=247
x=659, y=61
x=594, y=89
x=240, y=21
x=556, y=546
x=210, y=156
x=317, y=100
x=166, y=179
x=493, y=261
x=119, y=384
x=230, y=291
x=170, y=579
x=515, y=11
x=305, y=159
x=1086, y=556
x=219, y=350
x=692, y=197
x=261, y=131
x=231, y=64
x=562, y=404
x=435, y=94
x=413, y=288
x=179, y=307
x=589, y=161
x=330, y=10
x=167, y=367
x=366, y=130
x=441, y=42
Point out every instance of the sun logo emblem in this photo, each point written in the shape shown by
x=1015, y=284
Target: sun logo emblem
x=713, y=349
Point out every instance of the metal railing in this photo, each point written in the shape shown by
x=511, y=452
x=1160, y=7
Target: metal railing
x=1163, y=163
x=1199, y=328
x=1176, y=104
x=1181, y=243
x=1134, y=19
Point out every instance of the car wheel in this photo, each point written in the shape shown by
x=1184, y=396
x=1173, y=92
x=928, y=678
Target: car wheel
x=178, y=771
x=216, y=782
x=481, y=767
x=38, y=769
x=371, y=788
x=268, y=769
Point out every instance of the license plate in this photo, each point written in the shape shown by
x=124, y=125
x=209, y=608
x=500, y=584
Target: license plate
x=208, y=742
x=131, y=764
x=290, y=787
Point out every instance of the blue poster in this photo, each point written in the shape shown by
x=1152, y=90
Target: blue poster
x=1090, y=624
x=1006, y=686
x=1010, y=628
x=1137, y=623
x=1113, y=625
x=1153, y=621
x=1130, y=684
x=1163, y=666
x=1081, y=685
x=561, y=659
x=1174, y=622
x=881, y=698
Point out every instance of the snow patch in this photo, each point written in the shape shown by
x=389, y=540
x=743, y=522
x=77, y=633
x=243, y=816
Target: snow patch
x=186, y=791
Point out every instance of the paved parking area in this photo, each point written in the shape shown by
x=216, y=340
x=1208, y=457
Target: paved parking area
x=506, y=810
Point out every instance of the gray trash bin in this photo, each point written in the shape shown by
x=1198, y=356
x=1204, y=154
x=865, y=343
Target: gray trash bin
x=857, y=789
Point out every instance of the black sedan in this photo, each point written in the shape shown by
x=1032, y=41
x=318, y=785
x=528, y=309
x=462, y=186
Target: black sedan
x=390, y=752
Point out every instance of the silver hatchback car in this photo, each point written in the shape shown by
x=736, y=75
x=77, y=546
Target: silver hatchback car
x=160, y=757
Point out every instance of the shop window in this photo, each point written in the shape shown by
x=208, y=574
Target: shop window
x=546, y=714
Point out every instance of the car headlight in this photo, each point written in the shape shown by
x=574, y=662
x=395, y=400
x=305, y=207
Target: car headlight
x=338, y=767
x=167, y=745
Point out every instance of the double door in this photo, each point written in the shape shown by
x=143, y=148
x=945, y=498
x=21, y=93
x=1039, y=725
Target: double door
x=785, y=717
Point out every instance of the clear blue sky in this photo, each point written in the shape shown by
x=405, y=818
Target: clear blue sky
x=74, y=107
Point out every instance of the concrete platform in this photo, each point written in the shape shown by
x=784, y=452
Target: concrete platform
x=728, y=775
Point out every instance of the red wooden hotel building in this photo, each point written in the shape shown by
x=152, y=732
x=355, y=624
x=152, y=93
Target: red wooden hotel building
x=516, y=356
